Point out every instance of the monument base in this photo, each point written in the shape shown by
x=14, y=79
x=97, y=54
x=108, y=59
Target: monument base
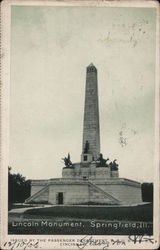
x=112, y=191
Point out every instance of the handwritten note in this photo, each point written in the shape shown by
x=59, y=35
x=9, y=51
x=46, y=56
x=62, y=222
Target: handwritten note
x=106, y=243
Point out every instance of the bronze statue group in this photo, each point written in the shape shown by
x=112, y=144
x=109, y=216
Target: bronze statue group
x=100, y=161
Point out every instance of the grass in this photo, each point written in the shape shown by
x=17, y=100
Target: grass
x=85, y=215
x=136, y=213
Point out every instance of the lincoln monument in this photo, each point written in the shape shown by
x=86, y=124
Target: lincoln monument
x=93, y=180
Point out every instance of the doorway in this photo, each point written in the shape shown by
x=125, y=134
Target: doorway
x=60, y=198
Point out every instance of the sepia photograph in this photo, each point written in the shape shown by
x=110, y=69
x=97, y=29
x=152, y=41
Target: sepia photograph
x=80, y=125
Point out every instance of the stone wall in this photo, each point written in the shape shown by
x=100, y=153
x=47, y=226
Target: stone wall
x=102, y=173
x=124, y=193
x=72, y=193
x=68, y=172
x=37, y=185
x=114, y=174
x=98, y=196
x=82, y=191
x=42, y=197
x=89, y=170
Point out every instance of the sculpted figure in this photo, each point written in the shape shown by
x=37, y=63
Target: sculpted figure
x=101, y=162
x=86, y=147
x=113, y=165
x=67, y=161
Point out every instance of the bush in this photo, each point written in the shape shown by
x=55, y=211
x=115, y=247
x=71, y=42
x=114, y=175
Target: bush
x=147, y=192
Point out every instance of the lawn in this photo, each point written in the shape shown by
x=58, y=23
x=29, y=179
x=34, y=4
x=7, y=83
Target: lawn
x=133, y=213
x=74, y=220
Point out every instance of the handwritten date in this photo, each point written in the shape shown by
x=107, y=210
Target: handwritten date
x=21, y=244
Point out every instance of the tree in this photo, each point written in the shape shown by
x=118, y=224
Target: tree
x=18, y=187
x=147, y=192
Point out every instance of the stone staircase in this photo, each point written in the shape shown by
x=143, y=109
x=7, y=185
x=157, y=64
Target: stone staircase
x=99, y=195
x=40, y=192
x=96, y=195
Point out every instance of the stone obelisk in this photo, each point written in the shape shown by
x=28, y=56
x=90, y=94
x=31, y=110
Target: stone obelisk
x=91, y=131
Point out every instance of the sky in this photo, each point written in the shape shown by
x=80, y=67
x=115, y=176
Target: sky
x=50, y=50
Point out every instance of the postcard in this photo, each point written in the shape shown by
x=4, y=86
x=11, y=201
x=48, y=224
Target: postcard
x=79, y=124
